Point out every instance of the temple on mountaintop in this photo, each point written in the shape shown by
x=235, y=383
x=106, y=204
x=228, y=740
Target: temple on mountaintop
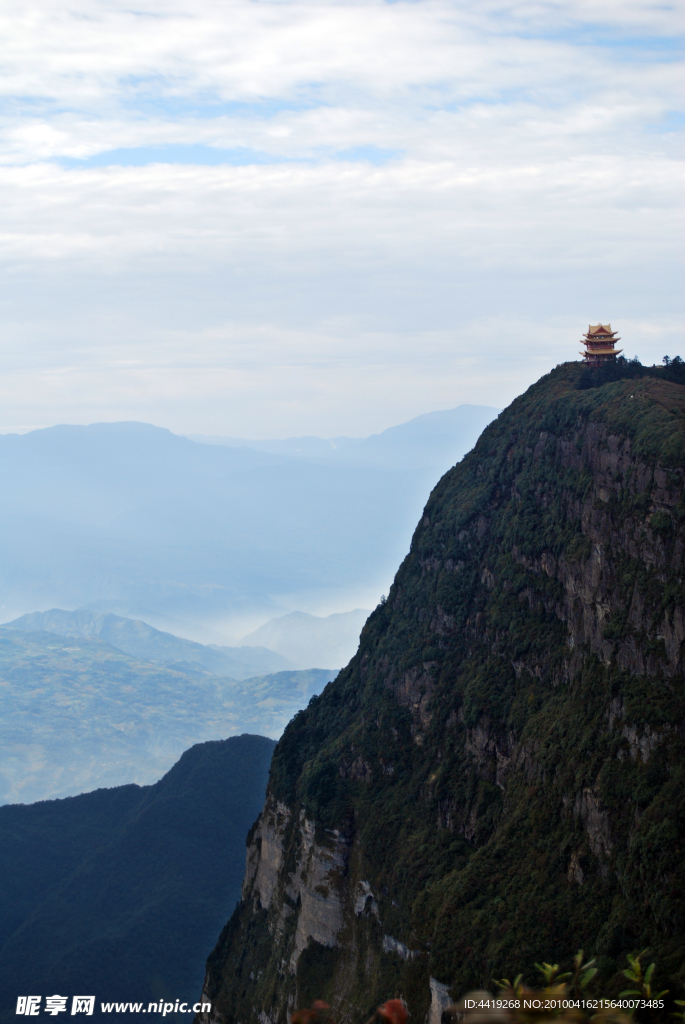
x=599, y=345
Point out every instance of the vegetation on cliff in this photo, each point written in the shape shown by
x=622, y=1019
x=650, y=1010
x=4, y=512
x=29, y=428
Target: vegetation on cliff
x=498, y=776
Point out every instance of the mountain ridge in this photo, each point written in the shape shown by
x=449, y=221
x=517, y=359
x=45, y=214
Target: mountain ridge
x=197, y=539
x=429, y=436
x=139, y=639
x=498, y=775
x=79, y=713
x=128, y=883
x=306, y=639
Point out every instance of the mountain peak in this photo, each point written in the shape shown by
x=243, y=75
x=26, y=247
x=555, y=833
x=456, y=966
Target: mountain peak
x=482, y=786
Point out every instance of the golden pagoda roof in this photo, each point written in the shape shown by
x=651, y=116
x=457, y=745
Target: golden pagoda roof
x=599, y=343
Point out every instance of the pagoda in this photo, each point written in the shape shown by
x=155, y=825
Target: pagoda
x=599, y=345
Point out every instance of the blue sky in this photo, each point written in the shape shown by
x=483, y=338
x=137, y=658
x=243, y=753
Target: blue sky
x=275, y=218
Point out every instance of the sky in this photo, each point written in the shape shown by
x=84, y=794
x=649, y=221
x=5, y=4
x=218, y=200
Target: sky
x=268, y=219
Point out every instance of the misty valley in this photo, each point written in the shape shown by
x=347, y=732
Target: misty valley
x=99, y=702
x=204, y=536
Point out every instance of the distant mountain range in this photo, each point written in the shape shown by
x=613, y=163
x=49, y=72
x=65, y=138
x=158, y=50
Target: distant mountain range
x=294, y=641
x=121, y=893
x=428, y=441
x=143, y=641
x=198, y=538
x=77, y=713
x=312, y=639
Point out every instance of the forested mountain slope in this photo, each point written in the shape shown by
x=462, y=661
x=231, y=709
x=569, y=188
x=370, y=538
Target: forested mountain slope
x=498, y=775
x=119, y=893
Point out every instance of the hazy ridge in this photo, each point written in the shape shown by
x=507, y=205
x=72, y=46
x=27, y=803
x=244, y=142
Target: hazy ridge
x=137, y=638
x=131, y=519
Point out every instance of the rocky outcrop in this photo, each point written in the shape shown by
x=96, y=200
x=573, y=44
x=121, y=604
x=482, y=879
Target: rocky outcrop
x=497, y=775
x=314, y=887
x=311, y=891
x=265, y=855
x=440, y=1000
x=596, y=823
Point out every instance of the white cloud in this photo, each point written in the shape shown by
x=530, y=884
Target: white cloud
x=526, y=181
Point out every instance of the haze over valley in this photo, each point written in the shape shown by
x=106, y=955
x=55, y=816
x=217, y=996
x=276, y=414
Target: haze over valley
x=205, y=540
x=211, y=541
x=79, y=714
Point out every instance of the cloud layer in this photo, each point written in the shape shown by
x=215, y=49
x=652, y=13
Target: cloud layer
x=273, y=218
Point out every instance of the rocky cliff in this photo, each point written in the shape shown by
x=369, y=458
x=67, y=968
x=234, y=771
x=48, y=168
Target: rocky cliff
x=498, y=775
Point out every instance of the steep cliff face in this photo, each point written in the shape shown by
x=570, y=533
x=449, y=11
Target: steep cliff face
x=499, y=774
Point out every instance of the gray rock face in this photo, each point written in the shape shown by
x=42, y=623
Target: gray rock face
x=440, y=1000
x=311, y=892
